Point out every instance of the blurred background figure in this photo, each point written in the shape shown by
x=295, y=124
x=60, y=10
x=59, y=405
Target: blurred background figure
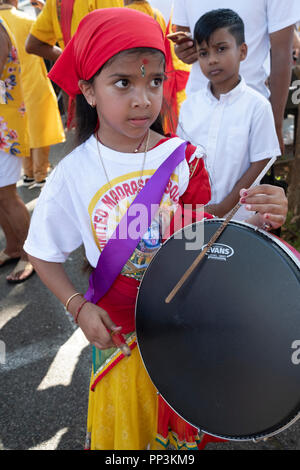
x=14, y=144
x=165, y=6
x=57, y=23
x=269, y=28
x=145, y=7
x=44, y=120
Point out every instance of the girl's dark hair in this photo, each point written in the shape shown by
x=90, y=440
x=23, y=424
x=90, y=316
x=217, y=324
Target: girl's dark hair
x=86, y=119
x=216, y=19
x=86, y=116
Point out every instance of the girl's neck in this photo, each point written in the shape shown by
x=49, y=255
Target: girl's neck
x=131, y=146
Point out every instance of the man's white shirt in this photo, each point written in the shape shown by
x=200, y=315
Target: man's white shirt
x=235, y=131
x=261, y=18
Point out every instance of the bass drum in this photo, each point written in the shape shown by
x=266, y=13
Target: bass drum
x=225, y=352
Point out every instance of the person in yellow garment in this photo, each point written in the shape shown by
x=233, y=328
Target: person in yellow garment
x=14, y=144
x=176, y=70
x=44, y=121
x=46, y=37
x=145, y=7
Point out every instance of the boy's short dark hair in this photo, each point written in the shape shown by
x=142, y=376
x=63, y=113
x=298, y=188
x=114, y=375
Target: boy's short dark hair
x=216, y=19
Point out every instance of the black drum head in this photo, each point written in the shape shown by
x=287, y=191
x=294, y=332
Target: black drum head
x=221, y=353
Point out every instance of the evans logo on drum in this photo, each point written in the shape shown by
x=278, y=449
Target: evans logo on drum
x=219, y=251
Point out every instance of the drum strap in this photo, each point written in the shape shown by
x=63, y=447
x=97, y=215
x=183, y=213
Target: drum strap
x=121, y=245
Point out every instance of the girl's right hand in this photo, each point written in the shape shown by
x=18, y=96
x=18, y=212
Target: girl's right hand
x=97, y=325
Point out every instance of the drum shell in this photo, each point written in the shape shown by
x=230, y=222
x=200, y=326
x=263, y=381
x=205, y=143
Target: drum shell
x=221, y=352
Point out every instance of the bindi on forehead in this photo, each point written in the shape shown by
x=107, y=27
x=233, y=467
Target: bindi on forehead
x=130, y=64
x=143, y=69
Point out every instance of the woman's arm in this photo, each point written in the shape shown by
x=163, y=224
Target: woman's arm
x=4, y=49
x=93, y=320
x=296, y=45
x=280, y=76
x=34, y=46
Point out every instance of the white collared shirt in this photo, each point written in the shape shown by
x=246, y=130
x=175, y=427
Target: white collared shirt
x=235, y=131
x=261, y=18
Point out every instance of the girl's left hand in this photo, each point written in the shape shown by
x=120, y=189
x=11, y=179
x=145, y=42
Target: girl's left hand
x=270, y=203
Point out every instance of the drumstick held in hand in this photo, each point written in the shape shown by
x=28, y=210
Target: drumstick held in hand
x=120, y=342
x=214, y=238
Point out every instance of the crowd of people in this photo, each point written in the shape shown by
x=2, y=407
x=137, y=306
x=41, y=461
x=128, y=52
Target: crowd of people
x=208, y=102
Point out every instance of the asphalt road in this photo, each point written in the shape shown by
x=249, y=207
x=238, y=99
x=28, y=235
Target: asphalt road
x=45, y=375
x=44, y=380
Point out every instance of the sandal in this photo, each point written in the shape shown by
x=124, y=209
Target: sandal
x=22, y=267
x=6, y=259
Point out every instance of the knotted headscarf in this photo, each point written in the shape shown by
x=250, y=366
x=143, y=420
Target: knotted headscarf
x=100, y=35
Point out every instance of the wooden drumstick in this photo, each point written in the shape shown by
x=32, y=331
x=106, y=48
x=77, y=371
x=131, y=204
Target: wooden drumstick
x=214, y=238
x=120, y=342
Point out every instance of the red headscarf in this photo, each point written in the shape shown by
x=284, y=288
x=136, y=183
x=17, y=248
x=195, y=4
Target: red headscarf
x=100, y=35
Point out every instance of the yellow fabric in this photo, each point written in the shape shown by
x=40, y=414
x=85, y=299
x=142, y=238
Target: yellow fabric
x=14, y=137
x=44, y=121
x=179, y=65
x=181, y=97
x=122, y=413
x=47, y=28
x=145, y=7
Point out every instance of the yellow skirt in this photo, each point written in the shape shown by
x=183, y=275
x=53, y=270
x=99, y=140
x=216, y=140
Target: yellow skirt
x=122, y=413
x=126, y=412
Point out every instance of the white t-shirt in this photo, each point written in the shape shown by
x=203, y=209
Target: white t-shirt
x=261, y=18
x=235, y=131
x=77, y=204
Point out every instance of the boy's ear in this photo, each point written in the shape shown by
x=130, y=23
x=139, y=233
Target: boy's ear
x=87, y=90
x=244, y=51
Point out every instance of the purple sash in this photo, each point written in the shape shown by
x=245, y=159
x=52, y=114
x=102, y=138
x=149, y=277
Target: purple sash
x=121, y=245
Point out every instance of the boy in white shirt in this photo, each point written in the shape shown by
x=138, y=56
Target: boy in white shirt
x=233, y=122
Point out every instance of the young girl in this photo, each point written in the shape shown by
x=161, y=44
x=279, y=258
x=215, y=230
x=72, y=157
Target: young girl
x=115, y=66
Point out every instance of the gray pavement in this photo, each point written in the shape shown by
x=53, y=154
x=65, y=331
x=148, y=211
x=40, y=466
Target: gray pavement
x=44, y=380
